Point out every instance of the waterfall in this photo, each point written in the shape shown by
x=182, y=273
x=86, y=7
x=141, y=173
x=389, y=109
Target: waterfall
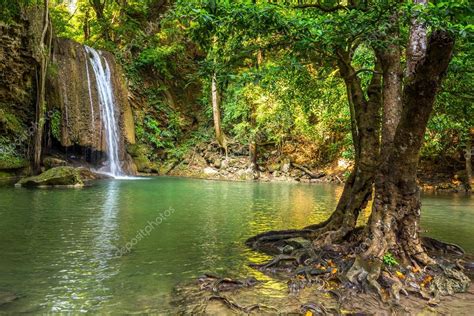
x=101, y=70
x=90, y=93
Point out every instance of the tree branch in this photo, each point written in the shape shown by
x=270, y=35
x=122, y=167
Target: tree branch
x=367, y=70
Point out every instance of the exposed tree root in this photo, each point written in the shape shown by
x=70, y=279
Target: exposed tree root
x=218, y=284
x=434, y=245
x=237, y=307
x=304, y=264
x=314, y=308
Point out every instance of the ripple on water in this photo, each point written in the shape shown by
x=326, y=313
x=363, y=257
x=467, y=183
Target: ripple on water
x=59, y=247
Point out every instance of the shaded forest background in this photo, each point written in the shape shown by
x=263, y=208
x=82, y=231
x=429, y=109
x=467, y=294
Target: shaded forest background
x=263, y=66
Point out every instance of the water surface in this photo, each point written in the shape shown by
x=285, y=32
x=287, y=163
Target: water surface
x=121, y=246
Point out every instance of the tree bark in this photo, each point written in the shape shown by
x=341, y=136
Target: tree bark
x=394, y=222
x=253, y=149
x=366, y=135
x=216, y=112
x=416, y=43
x=86, y=26
x=468, y=157
x=44, y=52
x=99, y=7
x=366, y=120
x=392, y=85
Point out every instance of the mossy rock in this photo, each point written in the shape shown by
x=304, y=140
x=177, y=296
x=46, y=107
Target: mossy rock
x=52, y=162
x=58, y=176
x=134, y=150
x=139, y=152
x=13, y=163
x=5, y=175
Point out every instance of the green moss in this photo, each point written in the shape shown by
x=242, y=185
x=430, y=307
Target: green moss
x=55, y=120
x=9, y=163
x=9, y=121
x=6, y=175
x=59, y=176
x=53, y=70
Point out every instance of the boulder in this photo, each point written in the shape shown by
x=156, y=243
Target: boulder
x=273, y=167
x=58, y=176
x=210, y=171
x=87, y=174
x=217, y=163
x=7, y=297
x=225, y=164
x=51, y=162
x=286, y=167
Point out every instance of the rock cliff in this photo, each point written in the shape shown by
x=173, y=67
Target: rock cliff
x=74, y=124
x=72, y=90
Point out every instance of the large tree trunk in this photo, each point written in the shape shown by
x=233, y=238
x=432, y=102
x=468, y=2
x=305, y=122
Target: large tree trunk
x=468, y=157
x=392, y=85
x=99, y=7
x=365, y=128
x=253, y=149
x=358, y=188
x=44, y=47
x=86, y=26
x=216, y=113
x=394, y=222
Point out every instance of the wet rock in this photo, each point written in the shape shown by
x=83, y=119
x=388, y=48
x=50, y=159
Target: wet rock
x=58, y=176
x=7, y=297
x=210, y=171
x=217, y=163
x=51, y=162
x=6, y=175
x=72, y=93
x=273, y=167
x=225, y=164
x=245, y=174
x=166, y=168
x=87, y=174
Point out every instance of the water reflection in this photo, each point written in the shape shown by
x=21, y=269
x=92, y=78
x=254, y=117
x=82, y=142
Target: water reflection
x=85, y=266
x=67, y=262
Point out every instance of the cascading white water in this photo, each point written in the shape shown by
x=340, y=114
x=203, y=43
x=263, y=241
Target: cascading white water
x=90, y=93
x=101, y=70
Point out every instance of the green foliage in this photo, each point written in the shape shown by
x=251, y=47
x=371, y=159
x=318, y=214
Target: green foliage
x=10, y=157
x=275, y=67
x=55, y=121
x=9, y=122
x=389, y=260
x=10, y=10
x=453, y=116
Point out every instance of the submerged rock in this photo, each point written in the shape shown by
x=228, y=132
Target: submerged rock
x=58, y=176
x=7, y=297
